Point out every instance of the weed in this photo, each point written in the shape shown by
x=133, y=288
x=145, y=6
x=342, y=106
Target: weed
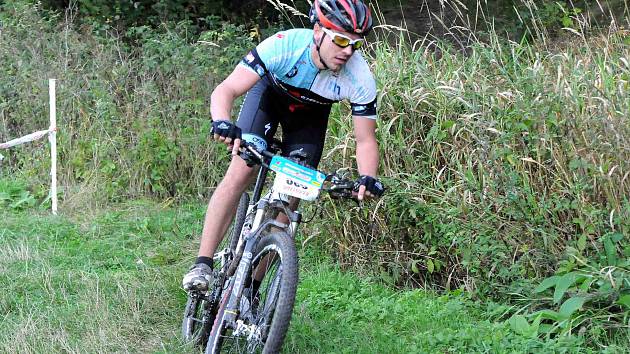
x=110, y=282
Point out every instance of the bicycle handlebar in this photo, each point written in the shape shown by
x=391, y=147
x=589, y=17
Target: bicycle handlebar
x=340, y=187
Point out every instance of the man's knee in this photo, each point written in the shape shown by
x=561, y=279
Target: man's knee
x=238, y=175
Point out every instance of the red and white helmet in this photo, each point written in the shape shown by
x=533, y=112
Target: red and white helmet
x=342, y=15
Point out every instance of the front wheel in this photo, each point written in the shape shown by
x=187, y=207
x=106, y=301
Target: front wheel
x=265, y=312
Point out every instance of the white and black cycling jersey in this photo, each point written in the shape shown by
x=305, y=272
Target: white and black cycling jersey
x=285, y=60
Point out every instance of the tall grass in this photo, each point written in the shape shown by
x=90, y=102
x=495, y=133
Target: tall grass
x=133, y=107
x=509, y=140
x=504, y=163
x=109, y=283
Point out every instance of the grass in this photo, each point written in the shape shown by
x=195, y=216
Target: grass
x=108, y=281
x=109, y=284
x=359, y=316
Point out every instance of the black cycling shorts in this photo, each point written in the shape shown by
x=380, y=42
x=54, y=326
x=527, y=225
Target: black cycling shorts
x=303, y=126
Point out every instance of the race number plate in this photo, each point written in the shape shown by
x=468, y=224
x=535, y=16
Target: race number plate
x=285, y=184
x=296, y=180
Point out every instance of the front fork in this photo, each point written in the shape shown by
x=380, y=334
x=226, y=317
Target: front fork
x=244, y=263
x=250, y=241
x=294, y=223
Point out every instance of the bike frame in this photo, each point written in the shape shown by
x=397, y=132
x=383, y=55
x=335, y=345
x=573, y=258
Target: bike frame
x=248, y=241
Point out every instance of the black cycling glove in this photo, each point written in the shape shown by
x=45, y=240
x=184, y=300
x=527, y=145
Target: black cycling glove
x=371, y=184
x=226, y=129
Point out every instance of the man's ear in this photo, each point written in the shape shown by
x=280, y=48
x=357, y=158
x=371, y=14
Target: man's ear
x=317, y=31
x=317, y=28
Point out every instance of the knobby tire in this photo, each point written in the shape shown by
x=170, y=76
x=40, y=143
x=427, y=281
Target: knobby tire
x=196, y=328
x=277, y=290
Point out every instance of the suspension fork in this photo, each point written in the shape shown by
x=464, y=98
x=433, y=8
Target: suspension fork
x=253, y=204
x=260, y=182
x=237, y=286
x=254, y=230
x=244, y=263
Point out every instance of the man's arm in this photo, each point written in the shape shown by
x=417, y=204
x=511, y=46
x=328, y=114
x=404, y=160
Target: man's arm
x=235, y=85
x=367, y=148
x=223, y=96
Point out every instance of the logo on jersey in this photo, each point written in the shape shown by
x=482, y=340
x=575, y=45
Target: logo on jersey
x=259, y=70
x=336, y=88
x=364, y=109
x=249, y=57
x=267, y=128
x=292, y=72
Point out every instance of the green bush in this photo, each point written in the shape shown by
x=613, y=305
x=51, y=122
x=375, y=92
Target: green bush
x=133, y=109
x=15, y=195
x=500, y=165
x=124, y=14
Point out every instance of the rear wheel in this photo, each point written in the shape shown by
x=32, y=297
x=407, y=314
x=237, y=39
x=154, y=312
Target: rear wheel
x=197, y=320
x=264, y=314
x=239, y=220
x=198, y=315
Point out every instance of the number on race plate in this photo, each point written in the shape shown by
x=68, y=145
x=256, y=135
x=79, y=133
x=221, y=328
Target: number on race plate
x=285, y=184
x=296, y=180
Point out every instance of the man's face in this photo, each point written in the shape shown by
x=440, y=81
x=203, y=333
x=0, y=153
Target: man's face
x=333, y=54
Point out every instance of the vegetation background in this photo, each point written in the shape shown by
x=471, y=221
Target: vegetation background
x=503, y=127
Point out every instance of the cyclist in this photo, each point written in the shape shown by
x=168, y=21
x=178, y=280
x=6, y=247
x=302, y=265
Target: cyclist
x=292, y=78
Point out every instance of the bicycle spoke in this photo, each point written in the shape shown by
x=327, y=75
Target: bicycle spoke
x=196, y=319
x=239, y=344
x=269, y=293
x=260, y=323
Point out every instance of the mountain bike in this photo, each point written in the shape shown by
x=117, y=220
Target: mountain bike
x=249, y=306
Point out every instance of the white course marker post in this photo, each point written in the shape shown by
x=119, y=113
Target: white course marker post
x=52, y=138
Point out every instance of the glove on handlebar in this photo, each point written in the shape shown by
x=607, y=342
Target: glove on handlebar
x=371, y=184
x=226, y=129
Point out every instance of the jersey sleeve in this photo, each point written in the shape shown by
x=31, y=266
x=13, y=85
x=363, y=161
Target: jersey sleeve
x=363, y=101
x=268, y=56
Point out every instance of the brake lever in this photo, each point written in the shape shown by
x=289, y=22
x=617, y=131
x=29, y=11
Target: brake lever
x=247, y=148
x=341, y=188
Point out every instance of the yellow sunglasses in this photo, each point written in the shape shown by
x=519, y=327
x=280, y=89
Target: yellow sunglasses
x=344, y=41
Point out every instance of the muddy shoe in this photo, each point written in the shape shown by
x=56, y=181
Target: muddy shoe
x=198, y=277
